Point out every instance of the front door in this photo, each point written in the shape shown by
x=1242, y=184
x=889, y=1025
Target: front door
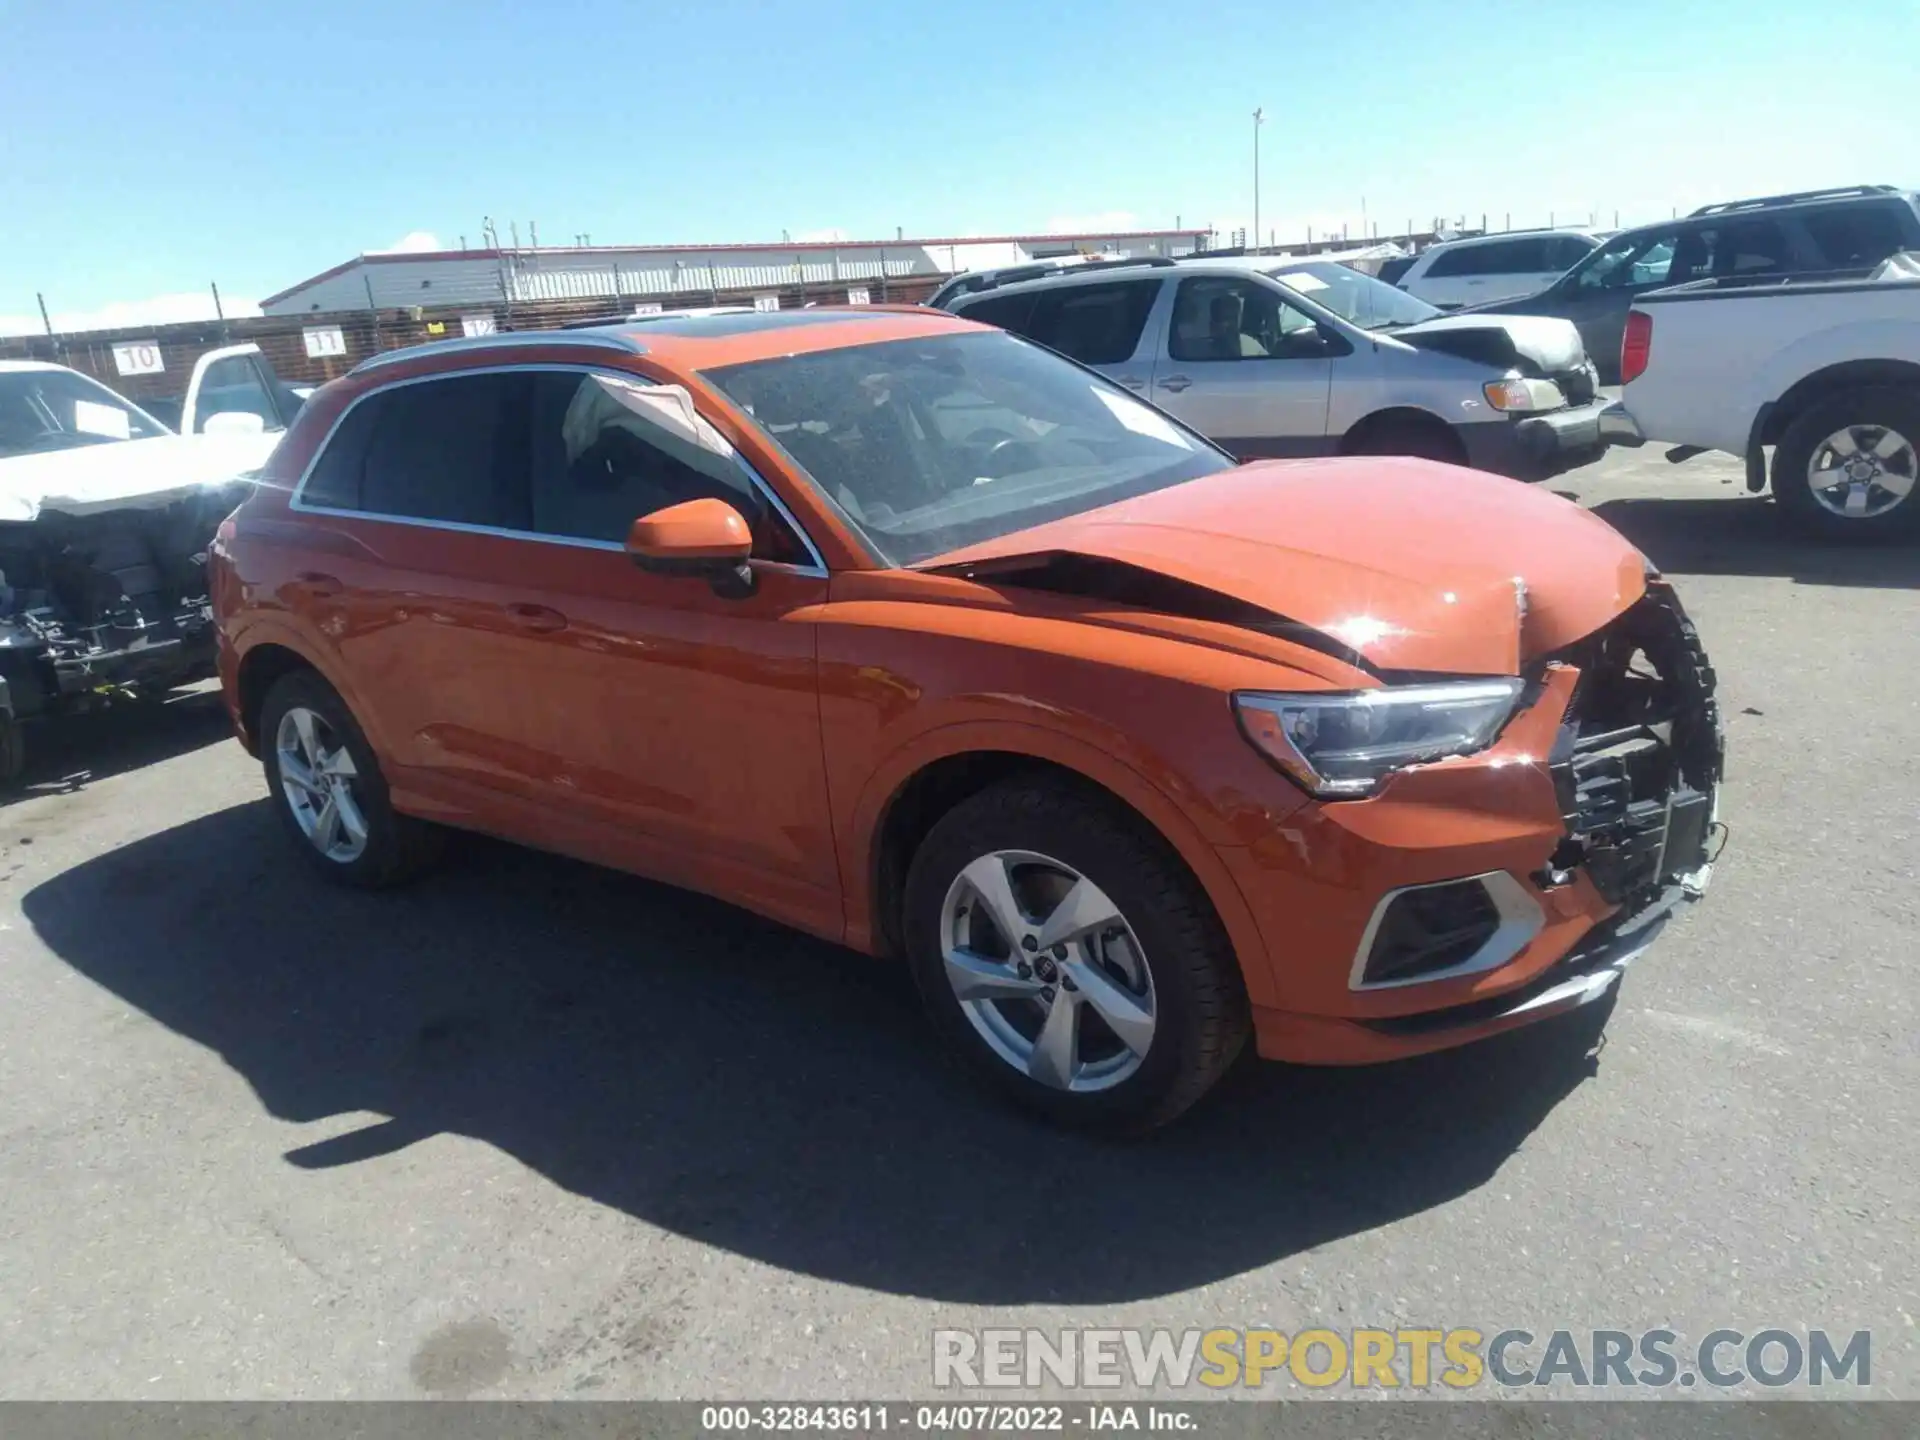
x=1246, y=367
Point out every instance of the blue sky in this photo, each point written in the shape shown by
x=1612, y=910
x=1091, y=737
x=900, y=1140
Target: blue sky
x=146, y=149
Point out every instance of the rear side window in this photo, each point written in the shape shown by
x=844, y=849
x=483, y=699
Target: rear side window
x=1566, y=251
x=1455, y=264
x=1856, y=237
x=1009, y=312
x=1094, y=324
x=1517, y=257
x=452, y=450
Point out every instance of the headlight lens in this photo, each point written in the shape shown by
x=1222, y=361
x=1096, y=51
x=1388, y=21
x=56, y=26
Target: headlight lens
x=1521, y=395
x=1341, y=746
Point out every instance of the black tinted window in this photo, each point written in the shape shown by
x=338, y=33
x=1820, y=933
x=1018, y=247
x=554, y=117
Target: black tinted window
x=608, y=449
x=1453, y=264
x=334, y=481
x=1517, y=257
x=1009, y=312
x=1094, y=324
x=1858, y=236
x=452, y=450
x=1566, y=251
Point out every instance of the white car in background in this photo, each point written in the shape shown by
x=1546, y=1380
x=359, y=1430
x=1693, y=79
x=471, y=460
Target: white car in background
x=1486, y=268
x=106, y=514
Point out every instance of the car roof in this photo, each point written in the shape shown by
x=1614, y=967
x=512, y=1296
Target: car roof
x=695, y=341
x=1467, y=242
x=1710, y=215
x=9, y=367
x=1153, y=267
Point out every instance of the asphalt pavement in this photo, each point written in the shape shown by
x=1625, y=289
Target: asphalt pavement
x=533, y=1129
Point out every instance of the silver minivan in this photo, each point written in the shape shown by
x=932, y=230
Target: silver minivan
x=1274, y=357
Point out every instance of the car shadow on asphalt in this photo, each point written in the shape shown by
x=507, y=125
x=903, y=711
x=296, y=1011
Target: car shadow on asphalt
x=77, y=749
x=730, y=1080
x=1747, y=535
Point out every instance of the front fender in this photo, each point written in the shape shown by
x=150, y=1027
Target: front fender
x=1183, y=830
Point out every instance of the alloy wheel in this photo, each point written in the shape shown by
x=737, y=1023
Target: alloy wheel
x=1862, y=471
x=1047, y=971
x=319, y=779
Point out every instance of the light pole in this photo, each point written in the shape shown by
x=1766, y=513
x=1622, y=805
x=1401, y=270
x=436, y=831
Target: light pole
x=1259, y=118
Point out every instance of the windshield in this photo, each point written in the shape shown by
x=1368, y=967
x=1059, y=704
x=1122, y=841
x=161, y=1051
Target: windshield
x=1356, y=298
x=42, y=410
x=932, y=444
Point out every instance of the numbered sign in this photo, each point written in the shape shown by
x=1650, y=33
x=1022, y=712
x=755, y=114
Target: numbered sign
x=324, y=341
x=472, y=325
x=766, y=302
x=138, y=357
x=646, y=307
x=857, y=295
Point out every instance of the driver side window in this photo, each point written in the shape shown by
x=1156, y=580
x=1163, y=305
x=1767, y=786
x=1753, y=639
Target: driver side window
x=608, y=449
x=1631, y=264
x=1230, y=318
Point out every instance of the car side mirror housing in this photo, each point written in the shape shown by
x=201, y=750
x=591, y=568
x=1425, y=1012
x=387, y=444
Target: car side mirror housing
x=233, y=422
x=707, y=538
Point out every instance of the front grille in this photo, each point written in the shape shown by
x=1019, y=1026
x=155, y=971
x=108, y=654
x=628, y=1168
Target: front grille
x=1429, y=929
x=1639, y=753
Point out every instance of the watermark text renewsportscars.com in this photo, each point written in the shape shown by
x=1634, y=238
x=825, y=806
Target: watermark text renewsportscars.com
x=1402, y=1359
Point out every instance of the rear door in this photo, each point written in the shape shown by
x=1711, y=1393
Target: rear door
x=1103, y=326
x=1247, y=367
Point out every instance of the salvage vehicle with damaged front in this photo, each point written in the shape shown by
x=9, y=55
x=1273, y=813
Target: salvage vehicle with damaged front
x=105, y=520
x=917, y=636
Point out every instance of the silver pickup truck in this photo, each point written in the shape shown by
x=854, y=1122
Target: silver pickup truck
x=1275, y=357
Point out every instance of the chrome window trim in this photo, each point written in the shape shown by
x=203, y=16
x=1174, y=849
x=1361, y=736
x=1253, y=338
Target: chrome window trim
x=1521, y=919
x=514, y=340
x=755, y=481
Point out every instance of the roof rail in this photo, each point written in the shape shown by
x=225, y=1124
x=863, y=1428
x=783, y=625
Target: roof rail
x=1763, y=202
x=995, y=283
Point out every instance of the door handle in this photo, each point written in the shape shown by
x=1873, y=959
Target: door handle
x=537, y=618
x=318, y=585
x=1175, y=383
x=1132, y=382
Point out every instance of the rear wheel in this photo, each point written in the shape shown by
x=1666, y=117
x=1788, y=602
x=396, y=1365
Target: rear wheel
x=1069, y=959
x=329, y=792
x=1847, y=467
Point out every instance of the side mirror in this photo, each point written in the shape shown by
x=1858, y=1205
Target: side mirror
x=706, y=538
x=233, y=422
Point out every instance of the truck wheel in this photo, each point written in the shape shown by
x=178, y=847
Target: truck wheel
x=1847, y=467
x=1068, y=958
x=329, y=793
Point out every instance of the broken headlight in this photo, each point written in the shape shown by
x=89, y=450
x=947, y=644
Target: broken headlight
x=1341, y=746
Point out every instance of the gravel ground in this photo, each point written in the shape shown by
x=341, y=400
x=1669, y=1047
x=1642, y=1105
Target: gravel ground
x=533, y=1129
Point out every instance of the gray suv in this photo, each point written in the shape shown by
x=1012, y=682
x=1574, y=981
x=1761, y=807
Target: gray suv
x=1290, y=358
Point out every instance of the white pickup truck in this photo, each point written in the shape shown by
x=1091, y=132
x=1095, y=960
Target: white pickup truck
x=105, y=519
x=1827, y=372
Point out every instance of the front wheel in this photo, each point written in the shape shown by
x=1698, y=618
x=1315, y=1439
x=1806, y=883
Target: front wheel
x=328, y=790
x=1847, y=467
x=1067, y=957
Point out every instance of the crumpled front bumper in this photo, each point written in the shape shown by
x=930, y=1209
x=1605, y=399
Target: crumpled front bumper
x=1537, y=447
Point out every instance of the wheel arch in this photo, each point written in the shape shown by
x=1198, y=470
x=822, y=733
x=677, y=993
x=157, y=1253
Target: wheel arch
x=1411, y=417
x=267, y=652
x=1831, y=380
x=907, y=798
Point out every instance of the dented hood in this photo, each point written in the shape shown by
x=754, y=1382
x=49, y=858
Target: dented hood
x=1551, y=344
x=125, y=474
x=1412, y=564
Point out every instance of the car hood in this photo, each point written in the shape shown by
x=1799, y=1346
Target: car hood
x=1406, y=564
x=1546, y=341
x=125, y=474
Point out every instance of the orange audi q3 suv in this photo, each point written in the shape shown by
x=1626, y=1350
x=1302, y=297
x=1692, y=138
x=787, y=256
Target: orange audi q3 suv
x=912, y=634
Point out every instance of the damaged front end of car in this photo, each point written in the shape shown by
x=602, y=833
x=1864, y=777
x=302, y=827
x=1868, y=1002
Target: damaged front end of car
x=106, y=605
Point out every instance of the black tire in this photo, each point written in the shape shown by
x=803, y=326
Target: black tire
x=398, y=847
x=1424, y=440
x=1879, y=408
x=1201, y=1018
